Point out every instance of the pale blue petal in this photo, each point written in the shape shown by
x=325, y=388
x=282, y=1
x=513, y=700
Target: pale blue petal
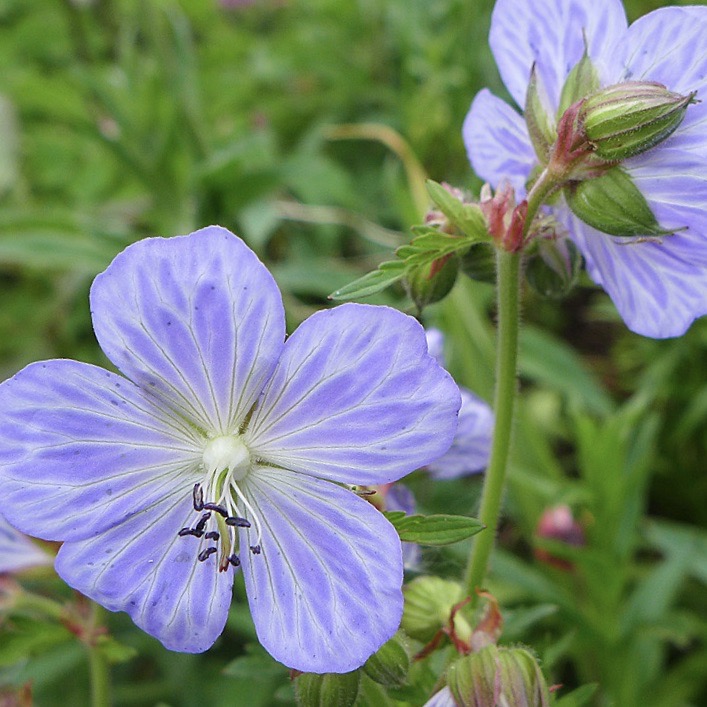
x=196, y=319
x=355, y=398
x=400, y=498
x=435, y=345
x=658, y=288
x=550, y=34
x=17, y=551
x=443, y=698
x=325, y=593
x=497, y=142
x=471, y=447
x=141, y=566
x=81, y=449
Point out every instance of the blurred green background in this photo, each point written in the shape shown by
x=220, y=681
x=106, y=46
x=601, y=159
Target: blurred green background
x=124, y=119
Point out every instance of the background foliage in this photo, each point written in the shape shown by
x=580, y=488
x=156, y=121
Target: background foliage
x=122, y=119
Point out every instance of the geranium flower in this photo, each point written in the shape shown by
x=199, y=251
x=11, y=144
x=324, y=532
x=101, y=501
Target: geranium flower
x=222, y=445
x=471, y=447
x=658, y=287
x=17, y=551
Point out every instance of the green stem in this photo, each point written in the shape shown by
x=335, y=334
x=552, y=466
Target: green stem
x=98, y=665
x=508, y=280
x=508, y=327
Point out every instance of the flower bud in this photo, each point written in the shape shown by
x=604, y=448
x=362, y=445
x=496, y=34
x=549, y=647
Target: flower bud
x=498, y=676
x=327, y=690
x=558, y=523
x=429, y=602
x=390, y=664
x=479, y=263
x=554, y=267
x=430, y=283
x=628, y=118
x=613, y=204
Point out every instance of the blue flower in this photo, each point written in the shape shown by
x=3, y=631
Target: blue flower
x=471, y=447
x=17, y=551
x=223, y=445
x=659, y=288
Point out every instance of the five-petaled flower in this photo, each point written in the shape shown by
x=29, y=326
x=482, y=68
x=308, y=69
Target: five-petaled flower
x=223, y=445
x=658, y=286
x=18, y=552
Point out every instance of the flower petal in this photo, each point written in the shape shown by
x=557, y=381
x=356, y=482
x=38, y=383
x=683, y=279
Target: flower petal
x=550, y=34
x=658, y=288
x=355, y=398
x=471, y=447
x=82, y=448
x=143, y=567
x=196, y=319
x=325, y=593
x=17, y=551
x=497, y=142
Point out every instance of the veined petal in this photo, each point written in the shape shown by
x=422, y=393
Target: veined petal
x=551, y=35
x=668, y=45
x=498, y=143
x=196, y=319
x=82, y=449
x=17, y=551
x=658, y=288
x=443, y=698
x=143, y=567
x=325, y=593
x=471, y=447
x=355, y=398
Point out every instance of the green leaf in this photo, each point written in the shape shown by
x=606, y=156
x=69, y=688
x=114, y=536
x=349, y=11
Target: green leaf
x=434, y=530
x=389, y=272
x=578, y=697
x=466, y=217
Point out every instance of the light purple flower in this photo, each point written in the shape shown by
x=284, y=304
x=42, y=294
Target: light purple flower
x=659, y=288
x=17, y=551
x=218, y=425
x=471, y=447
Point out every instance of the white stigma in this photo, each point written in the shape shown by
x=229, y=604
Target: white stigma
x=227, y=453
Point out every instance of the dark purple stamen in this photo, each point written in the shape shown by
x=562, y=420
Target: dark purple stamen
x=190, y=531
x=238, y=522
x=217, y=508
x=255, y=549
x=212, y=535
x=202, y=521
x=234, y=560
x=198, y=495
x=205, y=554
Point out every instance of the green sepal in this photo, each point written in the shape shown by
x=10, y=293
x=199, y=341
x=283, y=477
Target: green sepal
x=389, y=665
x=582, y=81
x=425, y=288
x=428, y=607
x=433, y=530
x=540, y=126
x=629, y=118
x=328, y=689
x=468, y=218
x=479, y=263
x=613, y=204
x=554, y=268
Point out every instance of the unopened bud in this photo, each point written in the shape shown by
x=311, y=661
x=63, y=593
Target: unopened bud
x=479, y=263
x=553, y=268
x=429, y=602
x=498, y=676
x=613, y=204
x=430, y=283
x=327, y=690
x=558, y=523
x=390, y=664
x=628, y=118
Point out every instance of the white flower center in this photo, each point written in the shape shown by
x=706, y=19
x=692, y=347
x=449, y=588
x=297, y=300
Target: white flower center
x=222, y=503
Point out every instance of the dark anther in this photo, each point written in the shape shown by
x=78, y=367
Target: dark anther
x=212, y=535
x=198, y=495
x=205, y=554
x=202, y=521
x=217, y=508
x=255, y=549
x=365, y=492
x=234, y=560
x=238, y=522
x=190, y=531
